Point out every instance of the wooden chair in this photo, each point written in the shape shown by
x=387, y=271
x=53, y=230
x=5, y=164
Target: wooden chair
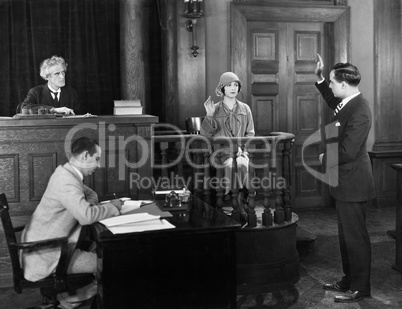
x=55, y=283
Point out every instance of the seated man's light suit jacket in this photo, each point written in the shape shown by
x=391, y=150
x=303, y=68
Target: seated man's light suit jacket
x=65, y=207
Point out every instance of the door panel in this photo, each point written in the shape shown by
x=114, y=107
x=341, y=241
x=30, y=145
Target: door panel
x=283, y=96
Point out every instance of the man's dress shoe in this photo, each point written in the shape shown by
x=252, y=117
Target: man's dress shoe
x=337, y=286
x=351, y=296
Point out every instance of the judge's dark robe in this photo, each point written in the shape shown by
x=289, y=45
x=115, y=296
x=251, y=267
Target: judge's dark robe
x=41, y=96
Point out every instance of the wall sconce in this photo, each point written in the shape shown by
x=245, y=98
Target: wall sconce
x=193, y=9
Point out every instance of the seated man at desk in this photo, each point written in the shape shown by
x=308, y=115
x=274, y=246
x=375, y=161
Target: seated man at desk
x=55, y=96
x=65, y=207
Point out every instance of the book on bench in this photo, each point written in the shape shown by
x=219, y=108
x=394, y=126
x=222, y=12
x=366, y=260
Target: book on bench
x=127, y=107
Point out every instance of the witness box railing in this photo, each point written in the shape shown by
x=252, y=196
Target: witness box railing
x=195, y=161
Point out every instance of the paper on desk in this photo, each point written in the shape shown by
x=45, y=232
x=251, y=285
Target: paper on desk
x=87, y=115
x=128, y=219
x=141, y=226
x=152, y=209
x=130, y=206
x=168, y=191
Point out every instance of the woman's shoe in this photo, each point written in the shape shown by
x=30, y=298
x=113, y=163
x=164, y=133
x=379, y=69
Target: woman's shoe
x=391, y=234
x=227, y=196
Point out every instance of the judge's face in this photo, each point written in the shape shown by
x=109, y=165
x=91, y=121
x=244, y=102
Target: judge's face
x=57, y=76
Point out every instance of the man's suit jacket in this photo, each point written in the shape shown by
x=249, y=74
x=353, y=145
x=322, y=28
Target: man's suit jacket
x=40, y=96
x=349, y=131
x=65, y=207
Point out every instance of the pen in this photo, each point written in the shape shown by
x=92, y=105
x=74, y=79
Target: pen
x=147, y=203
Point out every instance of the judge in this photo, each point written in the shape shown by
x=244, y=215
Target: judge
x=55, y=96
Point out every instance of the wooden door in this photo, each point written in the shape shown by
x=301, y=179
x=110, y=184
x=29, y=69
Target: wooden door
x=273, y=48
x=283, y=97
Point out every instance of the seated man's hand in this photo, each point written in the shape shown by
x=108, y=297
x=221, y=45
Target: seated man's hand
x=118, y=203
x=63, y=110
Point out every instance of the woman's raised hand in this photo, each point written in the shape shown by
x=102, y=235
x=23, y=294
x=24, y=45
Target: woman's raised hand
x=209, y=107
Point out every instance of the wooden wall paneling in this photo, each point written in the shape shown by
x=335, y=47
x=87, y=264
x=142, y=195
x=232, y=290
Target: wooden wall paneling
x=387, y=93
x=308, y=186
x=191, y=70
x=264, y=117
x=134, y=49
x=341, y=37
x=41, y=167
x=238, y=37
x=388, y=78
x=298, y=12
x=385, y=176
x=9, y=181
x=168, y=10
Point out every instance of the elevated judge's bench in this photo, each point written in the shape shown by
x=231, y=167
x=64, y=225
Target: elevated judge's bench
x=31, y=149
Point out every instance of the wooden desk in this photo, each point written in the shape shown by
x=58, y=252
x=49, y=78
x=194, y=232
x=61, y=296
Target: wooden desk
x=31, y=149
x=398, y=218
x=191, y=266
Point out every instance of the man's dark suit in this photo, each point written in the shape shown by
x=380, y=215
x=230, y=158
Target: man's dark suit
x=355, y=185
x=40, y=96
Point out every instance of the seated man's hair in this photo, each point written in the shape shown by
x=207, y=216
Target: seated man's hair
x=346, y=72
x=83, y=144
x=52, y=61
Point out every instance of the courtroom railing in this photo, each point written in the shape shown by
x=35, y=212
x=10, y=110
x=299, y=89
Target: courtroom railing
x=195, y=161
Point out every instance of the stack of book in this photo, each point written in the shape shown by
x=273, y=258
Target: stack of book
x=127, y=107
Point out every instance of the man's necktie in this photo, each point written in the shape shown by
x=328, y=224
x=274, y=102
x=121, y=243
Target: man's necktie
x=55, y=99
x=338, y=108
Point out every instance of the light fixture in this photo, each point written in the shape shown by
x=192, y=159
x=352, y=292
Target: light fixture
x=193, y=9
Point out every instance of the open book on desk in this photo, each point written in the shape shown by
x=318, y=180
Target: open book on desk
x=138, y=222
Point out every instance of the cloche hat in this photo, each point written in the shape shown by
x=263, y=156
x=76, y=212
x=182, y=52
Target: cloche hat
x=226, y=78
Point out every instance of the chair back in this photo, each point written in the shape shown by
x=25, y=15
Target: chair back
x=11, y=240
x=193, y=125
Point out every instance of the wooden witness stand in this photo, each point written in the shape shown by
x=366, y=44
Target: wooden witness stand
x=398, y=251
